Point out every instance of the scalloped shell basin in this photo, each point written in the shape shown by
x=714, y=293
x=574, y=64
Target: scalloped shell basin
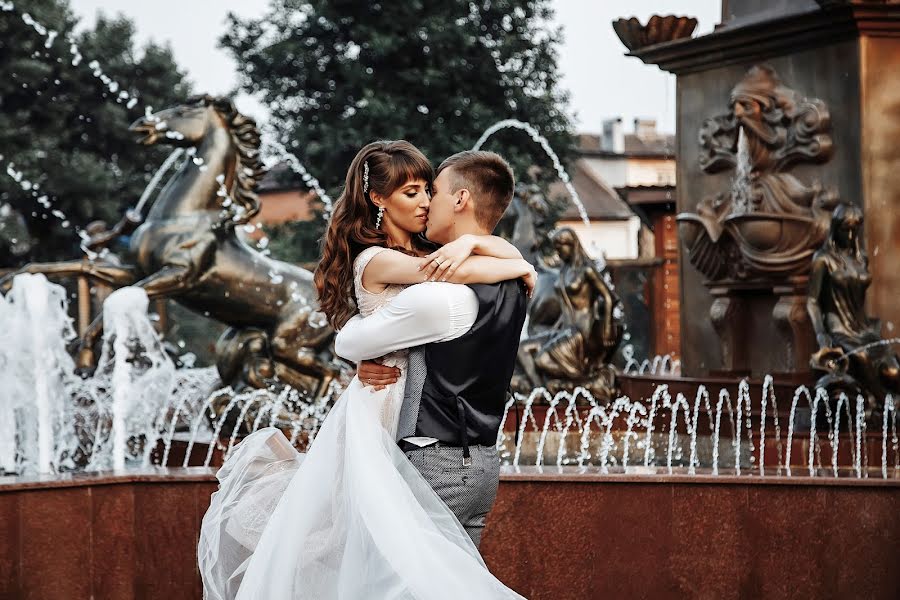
x=767, y=232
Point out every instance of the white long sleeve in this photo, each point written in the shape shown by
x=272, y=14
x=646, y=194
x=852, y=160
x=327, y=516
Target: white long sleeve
x=420, y=314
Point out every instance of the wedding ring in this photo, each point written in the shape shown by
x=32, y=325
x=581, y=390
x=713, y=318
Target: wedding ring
x=437, y=261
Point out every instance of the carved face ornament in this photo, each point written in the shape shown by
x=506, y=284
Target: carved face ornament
x=755, y=103
x=768, y=222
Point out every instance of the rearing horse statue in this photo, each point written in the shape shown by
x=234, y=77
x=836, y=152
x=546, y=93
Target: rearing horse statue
x=187, y=249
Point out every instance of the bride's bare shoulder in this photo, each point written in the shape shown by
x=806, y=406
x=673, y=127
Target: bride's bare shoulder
x=367, y=254
x=385, y=266
x=363, y=270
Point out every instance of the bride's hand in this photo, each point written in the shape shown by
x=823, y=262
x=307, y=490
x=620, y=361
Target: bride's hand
x=530, y=279
x=376, y=375
x=441, y=264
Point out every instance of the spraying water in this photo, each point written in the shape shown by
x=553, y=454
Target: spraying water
x=50, y=35
x=154, y=181
x=51, y=420
x=37, y=374
x=282, y=153
x=741, y=184
x=140, y=373
x=540, y=139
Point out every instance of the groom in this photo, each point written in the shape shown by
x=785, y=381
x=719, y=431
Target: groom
x=465, y=338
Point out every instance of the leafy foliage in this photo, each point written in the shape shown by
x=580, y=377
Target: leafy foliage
x=297, y=241
x=62, y=128
x=337, y=74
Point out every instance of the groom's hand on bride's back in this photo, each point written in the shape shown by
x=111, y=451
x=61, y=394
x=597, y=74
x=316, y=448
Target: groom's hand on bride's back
x=376, y=375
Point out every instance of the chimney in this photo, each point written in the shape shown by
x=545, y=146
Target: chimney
x=645, y=129
x=614, y=136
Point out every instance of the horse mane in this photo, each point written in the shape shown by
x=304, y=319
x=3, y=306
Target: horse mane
x=246, y=137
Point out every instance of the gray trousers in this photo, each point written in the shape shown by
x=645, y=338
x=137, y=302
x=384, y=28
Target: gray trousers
x=469, y=491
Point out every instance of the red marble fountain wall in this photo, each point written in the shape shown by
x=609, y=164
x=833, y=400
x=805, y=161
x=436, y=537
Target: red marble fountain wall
x=549, y=537
x=104, y=537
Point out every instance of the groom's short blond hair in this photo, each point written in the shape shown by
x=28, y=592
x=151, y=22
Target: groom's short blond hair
x=489, y=179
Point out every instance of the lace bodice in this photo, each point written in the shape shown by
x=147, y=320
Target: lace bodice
x=368, y=302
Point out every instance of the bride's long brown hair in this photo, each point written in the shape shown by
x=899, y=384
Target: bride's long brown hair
x=352, y=227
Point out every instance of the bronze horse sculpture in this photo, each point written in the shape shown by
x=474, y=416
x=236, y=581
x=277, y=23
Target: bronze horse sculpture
x=187, y=248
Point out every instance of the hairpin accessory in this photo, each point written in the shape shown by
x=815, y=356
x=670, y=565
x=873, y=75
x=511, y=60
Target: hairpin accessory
x=366, y=177
x=378, y=218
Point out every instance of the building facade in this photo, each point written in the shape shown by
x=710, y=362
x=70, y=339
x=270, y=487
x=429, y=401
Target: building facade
x=626, y=182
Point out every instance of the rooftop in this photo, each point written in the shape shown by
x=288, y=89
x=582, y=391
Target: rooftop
x=644, y=142
x=601, y=202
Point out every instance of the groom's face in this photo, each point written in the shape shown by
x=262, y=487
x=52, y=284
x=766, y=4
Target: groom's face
x=441, y=211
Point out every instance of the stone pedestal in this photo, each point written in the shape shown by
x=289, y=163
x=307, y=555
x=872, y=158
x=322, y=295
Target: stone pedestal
x=792, y=320
x=726, y=315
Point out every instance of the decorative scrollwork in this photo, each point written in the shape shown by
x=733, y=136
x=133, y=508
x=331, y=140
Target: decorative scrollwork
x=773, y=219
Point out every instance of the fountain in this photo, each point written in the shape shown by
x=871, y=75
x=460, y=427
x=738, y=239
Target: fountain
x=276, y=337
x=722, y=469
x=37, y=374
x=127, y=413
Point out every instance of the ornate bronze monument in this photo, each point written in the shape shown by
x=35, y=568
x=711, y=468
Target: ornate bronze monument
x=574, y=319
x=795, y=104
x=758, y=237
x=574, y=324
x=187, y=248
x=851, y=351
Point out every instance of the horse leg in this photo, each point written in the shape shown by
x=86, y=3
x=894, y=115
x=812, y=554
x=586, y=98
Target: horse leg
x=166, y=281
x=325, y=383
x=113, y=275
x=293, y=332
x=295, y=343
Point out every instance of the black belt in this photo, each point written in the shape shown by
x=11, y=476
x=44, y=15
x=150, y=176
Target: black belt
x=406, y=446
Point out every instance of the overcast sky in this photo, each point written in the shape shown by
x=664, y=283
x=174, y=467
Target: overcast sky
x=602, y=81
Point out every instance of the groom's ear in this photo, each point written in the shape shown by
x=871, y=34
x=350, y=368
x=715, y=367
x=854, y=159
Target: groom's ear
x=463, y=199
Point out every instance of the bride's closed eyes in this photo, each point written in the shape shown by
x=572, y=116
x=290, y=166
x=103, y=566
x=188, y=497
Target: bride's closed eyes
x=414, y=190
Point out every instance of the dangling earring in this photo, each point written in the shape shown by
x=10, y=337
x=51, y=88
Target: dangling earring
x=378, y=218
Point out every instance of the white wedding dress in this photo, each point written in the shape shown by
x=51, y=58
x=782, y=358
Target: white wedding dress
x=350, y=519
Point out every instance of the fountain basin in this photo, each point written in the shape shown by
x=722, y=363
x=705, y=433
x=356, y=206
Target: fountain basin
x=677, y=536
x=133, y=534
x=781, y=233
x=770, y=244
x=690, y=227
x=700, y=236
x=658, y=29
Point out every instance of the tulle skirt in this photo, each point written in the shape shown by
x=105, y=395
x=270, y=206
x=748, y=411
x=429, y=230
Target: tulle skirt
x=350, y=519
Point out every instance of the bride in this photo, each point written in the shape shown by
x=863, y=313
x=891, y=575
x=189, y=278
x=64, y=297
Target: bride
x=353, y=518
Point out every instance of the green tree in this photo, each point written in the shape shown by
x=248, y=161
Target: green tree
x=297, y=241
x=62, y=127
x=337, y=74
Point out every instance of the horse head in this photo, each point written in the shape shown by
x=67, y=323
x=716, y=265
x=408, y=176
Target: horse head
x=205, y=118
x=184, y=125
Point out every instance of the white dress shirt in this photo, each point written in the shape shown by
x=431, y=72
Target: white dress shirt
x=421, y=314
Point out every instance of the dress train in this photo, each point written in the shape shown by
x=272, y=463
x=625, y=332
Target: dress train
x=350, y=519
